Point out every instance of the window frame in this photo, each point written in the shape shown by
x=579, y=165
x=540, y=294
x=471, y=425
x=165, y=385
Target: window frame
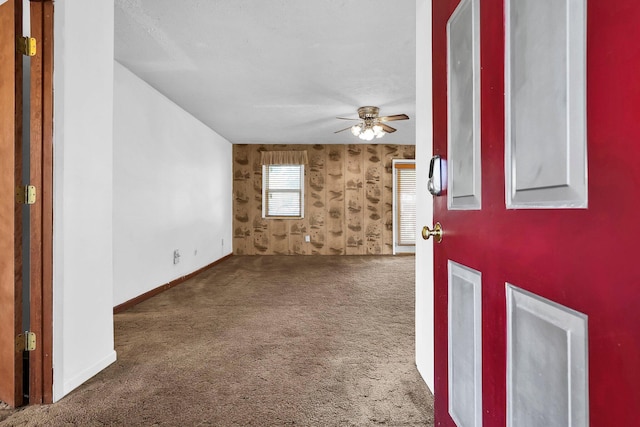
x=265, y=192
x=400, y=247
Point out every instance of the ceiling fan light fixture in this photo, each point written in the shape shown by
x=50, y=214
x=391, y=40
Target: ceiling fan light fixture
x=370, y=125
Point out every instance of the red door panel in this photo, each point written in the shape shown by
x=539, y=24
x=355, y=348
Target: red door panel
x=585, y=259
x=10, y=255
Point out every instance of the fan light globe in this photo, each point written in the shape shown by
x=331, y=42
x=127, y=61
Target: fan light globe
x=355, y=130
x=368, y=134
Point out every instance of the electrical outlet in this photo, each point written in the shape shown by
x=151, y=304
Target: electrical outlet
x=176, y=256
x=307, y=238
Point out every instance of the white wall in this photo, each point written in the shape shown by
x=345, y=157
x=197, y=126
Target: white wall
x=172, y=189
x=82, y=194
x=424, y=206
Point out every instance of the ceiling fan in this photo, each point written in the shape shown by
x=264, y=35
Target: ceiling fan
x=371, y=126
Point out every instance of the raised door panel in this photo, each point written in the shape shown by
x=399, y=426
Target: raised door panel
x=463, y=61
x=547, y=370
x=545, y=80
x=465, y=345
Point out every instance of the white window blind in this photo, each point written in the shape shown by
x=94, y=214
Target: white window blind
x=283, y=191
x=406, y=205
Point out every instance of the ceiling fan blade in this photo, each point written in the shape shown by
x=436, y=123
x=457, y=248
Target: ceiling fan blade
x=342, y=130
x=387, y=128
x=345, y=118
x=394, y=117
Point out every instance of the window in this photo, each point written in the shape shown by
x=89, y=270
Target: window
x=283, y=183
x=283, y=191
x=404, y=189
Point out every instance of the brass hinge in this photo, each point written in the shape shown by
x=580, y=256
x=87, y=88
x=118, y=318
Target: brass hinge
x=26, y=341
x=26, y=195
x=26, y=46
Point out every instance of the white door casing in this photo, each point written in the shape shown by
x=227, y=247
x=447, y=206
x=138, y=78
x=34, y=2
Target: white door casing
x=424, y=202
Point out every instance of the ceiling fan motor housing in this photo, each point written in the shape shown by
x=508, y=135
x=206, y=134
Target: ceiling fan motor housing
x=368, y=112
x=371, y=124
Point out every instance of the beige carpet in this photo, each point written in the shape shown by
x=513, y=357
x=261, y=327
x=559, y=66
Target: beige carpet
x=261, y=341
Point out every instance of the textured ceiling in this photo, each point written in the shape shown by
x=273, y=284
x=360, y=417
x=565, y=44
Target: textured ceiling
x=275, y=71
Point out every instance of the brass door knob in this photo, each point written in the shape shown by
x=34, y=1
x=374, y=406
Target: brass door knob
x=436, y=233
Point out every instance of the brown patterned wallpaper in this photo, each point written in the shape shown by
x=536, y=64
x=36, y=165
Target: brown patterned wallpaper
x=348, y=202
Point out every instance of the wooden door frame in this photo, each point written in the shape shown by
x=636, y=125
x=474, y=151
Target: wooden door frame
x=41, y=217
x=41, y=213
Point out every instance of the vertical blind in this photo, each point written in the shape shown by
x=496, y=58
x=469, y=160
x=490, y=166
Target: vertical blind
x=406, y=204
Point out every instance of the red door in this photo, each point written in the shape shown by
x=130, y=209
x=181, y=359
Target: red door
x=582, y=261
x=10, y=255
